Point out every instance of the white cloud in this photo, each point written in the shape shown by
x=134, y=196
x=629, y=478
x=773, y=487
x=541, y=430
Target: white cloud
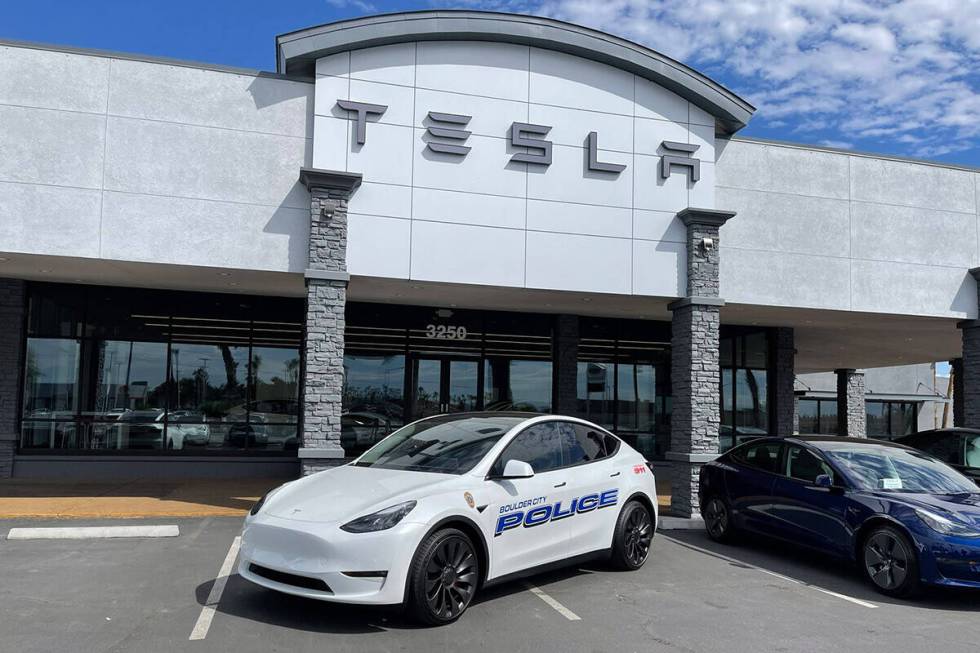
x=359, y=5
x=864, y=69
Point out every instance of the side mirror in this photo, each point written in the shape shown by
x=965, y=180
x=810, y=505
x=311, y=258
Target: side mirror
x=823, y=480
x=517, y=469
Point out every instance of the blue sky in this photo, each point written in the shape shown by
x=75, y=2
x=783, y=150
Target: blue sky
x=890, y=76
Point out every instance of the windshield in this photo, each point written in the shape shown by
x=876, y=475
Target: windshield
x=444, y=445
x=891, y=469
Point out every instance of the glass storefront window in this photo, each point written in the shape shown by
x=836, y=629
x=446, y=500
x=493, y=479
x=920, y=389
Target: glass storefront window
x=818, y=416
x=517, y=385
x=891, y=419
x=51, y=378
x=374, y=390
x=596, y=392
x=744, y=363
x=159, y=370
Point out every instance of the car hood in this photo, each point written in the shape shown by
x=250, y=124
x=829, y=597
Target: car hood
x=347, y=492
x=964, y=506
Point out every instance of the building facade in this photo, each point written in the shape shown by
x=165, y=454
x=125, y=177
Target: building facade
x=223, y=272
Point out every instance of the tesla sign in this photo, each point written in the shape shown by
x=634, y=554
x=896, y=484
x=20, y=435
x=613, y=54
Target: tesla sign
x=447, y=134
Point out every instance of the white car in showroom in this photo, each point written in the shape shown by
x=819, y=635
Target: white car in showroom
x=449, y=504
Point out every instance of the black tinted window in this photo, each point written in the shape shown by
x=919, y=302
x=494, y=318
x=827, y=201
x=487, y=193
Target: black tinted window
x=538, y=445
x=803, y=465
x=583, y=444
x=947, y=447
x=764, y=456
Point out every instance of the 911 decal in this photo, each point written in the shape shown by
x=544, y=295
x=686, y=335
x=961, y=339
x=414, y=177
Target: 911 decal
x=542, y=513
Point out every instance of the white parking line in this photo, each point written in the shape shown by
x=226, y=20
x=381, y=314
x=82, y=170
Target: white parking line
x=214, y=597
x=562, y=610
x=740, y=563
x=91, y=532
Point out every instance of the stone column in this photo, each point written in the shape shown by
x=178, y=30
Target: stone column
x=787, y=418
x=326, y=298
x=956, y=369
x=695, y=375
x=11, y=368
x=566, y=358
x=852, y=414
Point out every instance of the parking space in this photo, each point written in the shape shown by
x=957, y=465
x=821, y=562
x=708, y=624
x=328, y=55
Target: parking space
x=693, y=595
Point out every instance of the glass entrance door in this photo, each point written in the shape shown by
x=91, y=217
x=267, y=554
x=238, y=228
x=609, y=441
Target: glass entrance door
x=444, y=385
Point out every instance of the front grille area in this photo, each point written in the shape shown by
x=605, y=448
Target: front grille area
x=289, y=579
x=960, y=569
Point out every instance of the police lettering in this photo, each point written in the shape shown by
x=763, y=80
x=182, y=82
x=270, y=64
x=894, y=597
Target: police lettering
x=512, y=517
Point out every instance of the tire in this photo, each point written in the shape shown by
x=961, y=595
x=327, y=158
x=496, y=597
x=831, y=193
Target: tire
x=718, y=520
x=890, y=562
x=632, y=538
x=443, y=578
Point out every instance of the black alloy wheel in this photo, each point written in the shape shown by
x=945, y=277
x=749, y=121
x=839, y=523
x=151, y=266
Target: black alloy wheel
x=890, y=562
x=718, y=520
x=634, y=535
x=444, y=577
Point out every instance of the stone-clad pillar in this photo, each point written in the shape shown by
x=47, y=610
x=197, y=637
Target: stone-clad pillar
x=787, y=418
x=326, y=298
x=11, y=368
x=852, y=415
x=956, y=369
x=695, y=375
x=566, y=358
x=968, y=382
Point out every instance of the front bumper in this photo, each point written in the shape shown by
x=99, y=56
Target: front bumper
x=315, y=559
x=950, y=561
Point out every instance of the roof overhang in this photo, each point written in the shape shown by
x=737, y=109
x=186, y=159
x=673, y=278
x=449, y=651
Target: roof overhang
x=297, y=52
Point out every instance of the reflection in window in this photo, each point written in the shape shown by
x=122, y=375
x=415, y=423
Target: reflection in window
x=818, y=416
x=517, y=385
x=50, y=378
x=372, y=401
x=891, y=419
x=596, y=392
x=744, y=361
x=159, y=370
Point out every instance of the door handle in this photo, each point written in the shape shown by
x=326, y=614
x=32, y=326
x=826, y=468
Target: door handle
x=562, y=484
x=614, y=474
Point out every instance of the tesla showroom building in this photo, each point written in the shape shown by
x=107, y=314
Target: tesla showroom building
x=221, y=272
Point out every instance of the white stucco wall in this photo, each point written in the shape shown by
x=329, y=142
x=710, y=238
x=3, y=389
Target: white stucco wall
x=107, y=158
x=481, y=219
x=845, y=231
x=128, y=160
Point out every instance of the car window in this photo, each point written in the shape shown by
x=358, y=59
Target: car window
x=973, y=451
x=539, y=446
x=805, y=466
x=764, y=455
x=582, y=444
x=947, y=447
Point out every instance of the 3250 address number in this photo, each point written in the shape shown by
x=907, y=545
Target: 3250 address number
x=444, y=332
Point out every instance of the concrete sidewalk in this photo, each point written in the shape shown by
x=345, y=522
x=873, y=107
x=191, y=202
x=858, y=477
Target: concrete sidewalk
x=46, y=499
x=133, y=499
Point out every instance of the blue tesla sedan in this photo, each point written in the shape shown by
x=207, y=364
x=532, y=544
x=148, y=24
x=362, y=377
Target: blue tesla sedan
x=904, y=517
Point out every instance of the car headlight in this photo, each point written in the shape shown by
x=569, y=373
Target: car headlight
x=381, y=520
x=946, y=526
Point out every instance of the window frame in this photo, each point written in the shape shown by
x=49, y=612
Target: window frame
x=835, y=475
x=736, y=455
x=492, y=474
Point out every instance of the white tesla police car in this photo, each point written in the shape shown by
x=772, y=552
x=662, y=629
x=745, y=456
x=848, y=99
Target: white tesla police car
x=449, y=504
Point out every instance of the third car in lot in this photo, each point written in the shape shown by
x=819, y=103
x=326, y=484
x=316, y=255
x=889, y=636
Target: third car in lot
x=903, y=516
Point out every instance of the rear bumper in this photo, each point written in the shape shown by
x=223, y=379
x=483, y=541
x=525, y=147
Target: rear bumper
x=323, y=562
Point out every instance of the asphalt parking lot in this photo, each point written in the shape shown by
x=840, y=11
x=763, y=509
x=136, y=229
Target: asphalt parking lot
x=149, y=595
